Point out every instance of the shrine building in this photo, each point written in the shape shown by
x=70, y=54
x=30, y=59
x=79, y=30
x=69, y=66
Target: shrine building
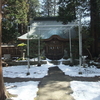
x=54, y=34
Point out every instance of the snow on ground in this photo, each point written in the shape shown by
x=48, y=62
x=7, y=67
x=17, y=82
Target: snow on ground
x=24, y=90
x=81, y=90
x=74, y=71
x=86, y=90
x=20, y=71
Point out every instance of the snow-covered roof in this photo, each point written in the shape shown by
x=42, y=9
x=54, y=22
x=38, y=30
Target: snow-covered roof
x=46, y=28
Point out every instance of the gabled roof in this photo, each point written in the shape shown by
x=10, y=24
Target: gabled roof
x=46, y=27
x=57, y=37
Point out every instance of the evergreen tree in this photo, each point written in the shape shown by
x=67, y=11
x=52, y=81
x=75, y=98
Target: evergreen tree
x=49, y=8
x=69, y=9
x=33, y=9
x=95, y=25
x=66, y=11
x=16, y=16
x=14, y=13
x=11, y=34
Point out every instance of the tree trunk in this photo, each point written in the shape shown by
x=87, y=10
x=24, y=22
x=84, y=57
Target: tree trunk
x=94, y=26
x=2, y=93
x=22, y=29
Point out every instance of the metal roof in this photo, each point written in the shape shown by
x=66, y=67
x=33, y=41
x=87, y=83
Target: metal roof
x=46, y=28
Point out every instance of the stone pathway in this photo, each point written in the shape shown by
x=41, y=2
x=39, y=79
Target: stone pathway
x=55, y=86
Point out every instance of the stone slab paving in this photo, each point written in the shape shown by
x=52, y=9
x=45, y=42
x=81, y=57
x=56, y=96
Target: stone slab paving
x=55, y=86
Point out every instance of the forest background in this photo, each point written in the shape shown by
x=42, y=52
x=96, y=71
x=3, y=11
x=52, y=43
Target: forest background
x=17, y=15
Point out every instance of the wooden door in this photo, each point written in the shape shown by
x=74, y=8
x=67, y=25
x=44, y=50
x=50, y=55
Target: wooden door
x=54, y=49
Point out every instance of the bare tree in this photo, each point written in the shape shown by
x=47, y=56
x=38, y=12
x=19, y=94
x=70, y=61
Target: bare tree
x=2, y=93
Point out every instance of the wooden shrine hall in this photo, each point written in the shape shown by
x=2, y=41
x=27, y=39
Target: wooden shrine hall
x=54, y=34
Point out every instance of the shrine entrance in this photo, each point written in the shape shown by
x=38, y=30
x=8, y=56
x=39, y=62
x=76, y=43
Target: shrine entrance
x=54, y=48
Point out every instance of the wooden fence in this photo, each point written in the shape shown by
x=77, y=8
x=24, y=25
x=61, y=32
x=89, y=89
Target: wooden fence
x=14, y=51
